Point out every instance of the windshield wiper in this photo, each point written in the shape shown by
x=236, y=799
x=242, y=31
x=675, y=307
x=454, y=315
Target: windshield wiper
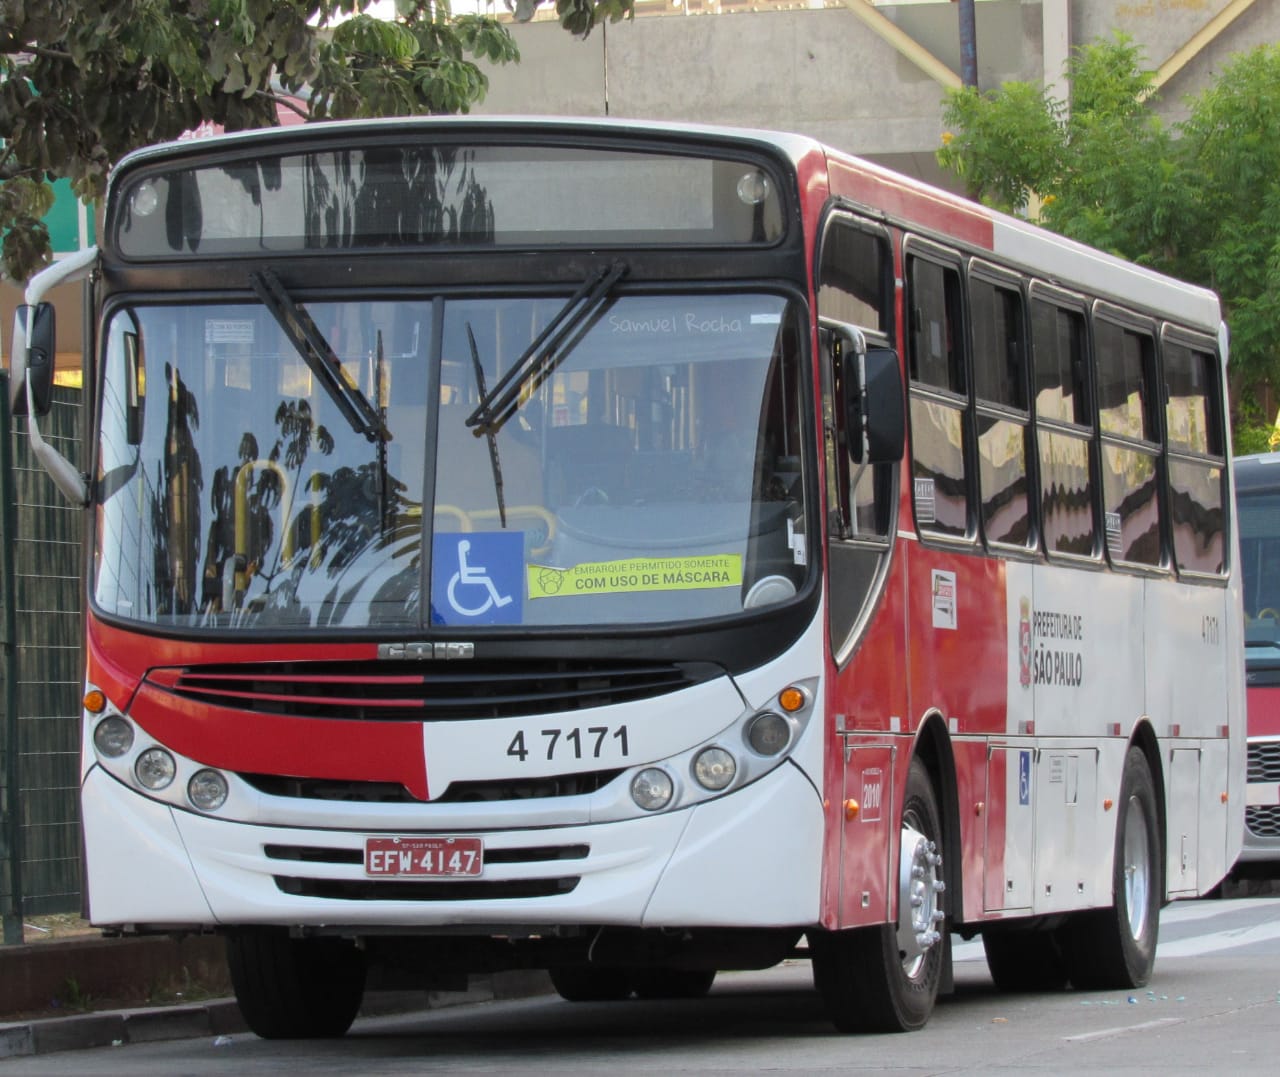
x=490, y=433
x=315, y=351
x=546, y=353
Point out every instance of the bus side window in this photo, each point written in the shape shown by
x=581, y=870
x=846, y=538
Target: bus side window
x=1064, y=429
x=1000, y=391
x=1130, y=442
x=938, y=399
x=855, y=286
x=1197, y=465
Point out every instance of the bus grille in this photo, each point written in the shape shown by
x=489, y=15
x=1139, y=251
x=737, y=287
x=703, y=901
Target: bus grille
x=428, y=691
x=1264, y=761
x=564, y=785
x=1263, y=821
x=413, y=890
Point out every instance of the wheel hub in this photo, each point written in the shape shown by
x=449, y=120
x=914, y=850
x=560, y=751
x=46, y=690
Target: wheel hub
x=919, y=905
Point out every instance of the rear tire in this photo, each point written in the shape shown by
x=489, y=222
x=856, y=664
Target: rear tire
x=672, y=983
x=1115, y=948
x=588, y=983
x=1025, y=960
x=885, y=978
x=291, y=989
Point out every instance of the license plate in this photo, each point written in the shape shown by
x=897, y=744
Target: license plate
x=423, y=857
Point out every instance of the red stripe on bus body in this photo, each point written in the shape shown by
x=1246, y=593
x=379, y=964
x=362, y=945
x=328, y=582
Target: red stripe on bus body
x=252, y=743
x=1264, y=711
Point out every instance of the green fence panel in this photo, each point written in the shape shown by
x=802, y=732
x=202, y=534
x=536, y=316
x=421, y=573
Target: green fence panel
x=47, y=545
x=10, y=832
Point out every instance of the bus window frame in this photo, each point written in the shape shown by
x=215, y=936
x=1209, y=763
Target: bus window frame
x=1002, y=278
x=841, y=216
x=1075, y=303
x=1127, y=320
x=948, y=259
x=1172, y=333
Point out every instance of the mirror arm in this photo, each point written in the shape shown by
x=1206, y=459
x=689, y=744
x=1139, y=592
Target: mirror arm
x=64, y=475
x=63, y=271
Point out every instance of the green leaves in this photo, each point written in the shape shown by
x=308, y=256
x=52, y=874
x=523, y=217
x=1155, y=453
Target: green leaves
x=1004, y=145
x=82, y=82
x=1200, y=201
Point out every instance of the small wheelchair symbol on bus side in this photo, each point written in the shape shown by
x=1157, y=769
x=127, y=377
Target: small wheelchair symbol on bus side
x=476, y=577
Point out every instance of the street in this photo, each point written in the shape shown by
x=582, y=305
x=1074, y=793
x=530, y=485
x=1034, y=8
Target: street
x=1213, y=1004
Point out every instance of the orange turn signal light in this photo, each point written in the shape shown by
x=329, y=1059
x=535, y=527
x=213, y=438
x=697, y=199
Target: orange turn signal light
x=95, y=702
x=791, y=699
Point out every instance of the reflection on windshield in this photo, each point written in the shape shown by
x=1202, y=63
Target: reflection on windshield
x=653, y=475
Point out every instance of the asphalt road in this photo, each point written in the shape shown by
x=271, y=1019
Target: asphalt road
x=1212, y=1005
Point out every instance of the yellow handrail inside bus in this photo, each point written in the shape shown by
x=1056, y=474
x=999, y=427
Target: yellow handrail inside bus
x=467, y=519
x=244, y=475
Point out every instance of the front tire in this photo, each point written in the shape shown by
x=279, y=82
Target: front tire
x=1115, y=948
x=672, y=983
x=885, y=978
x=590, y=983
x=291, y=989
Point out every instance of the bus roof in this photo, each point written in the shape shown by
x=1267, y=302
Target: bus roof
x=1260, y=471
x=882, y=192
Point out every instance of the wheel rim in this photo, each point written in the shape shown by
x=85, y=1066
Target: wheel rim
x=919, y=904
x=1137, y=867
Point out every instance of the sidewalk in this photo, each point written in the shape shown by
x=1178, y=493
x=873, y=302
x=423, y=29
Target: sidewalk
x=41, y=982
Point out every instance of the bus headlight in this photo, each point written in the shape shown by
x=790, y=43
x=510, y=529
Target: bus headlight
x=113, y=737
x=714, y=768
x=768, y=733
x=652, y=789
x=207, y=790
x=155, y=769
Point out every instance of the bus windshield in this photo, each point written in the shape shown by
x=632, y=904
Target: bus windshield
x=1259, y=523
x=648, y=471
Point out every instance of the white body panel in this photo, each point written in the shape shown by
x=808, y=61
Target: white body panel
x=700, y=866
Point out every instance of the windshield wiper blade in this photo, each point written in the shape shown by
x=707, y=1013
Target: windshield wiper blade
x=546, y=353
x=490, y=434
x=315, y=351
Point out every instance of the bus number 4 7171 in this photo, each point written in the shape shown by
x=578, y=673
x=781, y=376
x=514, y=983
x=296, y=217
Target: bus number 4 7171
x=589, y=743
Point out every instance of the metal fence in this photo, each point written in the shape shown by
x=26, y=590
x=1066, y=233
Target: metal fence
x=43, y=560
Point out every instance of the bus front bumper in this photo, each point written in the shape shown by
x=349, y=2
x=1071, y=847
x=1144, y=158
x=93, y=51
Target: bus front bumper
x=749, y=859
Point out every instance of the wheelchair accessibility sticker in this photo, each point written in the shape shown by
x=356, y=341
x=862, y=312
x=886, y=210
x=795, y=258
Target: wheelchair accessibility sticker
x=476, y=578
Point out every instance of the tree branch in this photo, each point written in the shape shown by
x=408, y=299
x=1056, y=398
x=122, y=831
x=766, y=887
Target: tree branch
x=287, y=100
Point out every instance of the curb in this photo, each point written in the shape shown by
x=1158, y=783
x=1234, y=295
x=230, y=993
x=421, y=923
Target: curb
x=116, y=1027
x=221, y=1017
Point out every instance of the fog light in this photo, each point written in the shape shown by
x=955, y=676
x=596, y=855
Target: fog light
x=652, y=789
x=207, y=790
x=768, y=733
x=113, y=737
x=714, y=768
x=155, y=769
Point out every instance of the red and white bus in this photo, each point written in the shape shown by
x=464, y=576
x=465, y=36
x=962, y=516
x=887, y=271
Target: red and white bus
x=637, y=551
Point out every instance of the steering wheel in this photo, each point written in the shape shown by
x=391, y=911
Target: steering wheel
x=1269, y=613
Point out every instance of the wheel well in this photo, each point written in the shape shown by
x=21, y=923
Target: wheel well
x=933, y=748
x=1144, y=739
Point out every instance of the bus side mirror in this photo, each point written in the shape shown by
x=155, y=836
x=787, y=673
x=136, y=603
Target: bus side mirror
x=875, y=419
x=32, y=358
